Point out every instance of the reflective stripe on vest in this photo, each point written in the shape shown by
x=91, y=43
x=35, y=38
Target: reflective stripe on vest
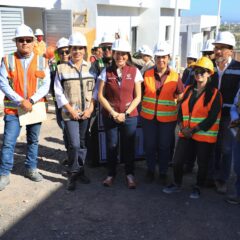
x=199, y=114
x=165, y=106
x=40, y=67
x=10, y=63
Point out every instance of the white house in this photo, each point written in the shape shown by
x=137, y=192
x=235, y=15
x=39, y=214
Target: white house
x=194, y=32
x=141, y=21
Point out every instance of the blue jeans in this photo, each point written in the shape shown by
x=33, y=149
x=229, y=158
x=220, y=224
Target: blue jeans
x=158, y=138
x=127, y=143
x=77, y=150
x=223, y=152
x=11, y=132
x=236, y=157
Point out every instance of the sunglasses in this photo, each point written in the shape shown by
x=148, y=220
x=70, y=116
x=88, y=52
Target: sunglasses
x=109, y=48
x=62, y=52
x=77, y=48
x=200, y=71
x=22, y=40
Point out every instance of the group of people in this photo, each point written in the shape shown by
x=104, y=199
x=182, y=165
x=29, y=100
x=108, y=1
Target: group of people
x=205, y=108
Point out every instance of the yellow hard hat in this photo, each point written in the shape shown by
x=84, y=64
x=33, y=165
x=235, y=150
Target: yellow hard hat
x=205, y=62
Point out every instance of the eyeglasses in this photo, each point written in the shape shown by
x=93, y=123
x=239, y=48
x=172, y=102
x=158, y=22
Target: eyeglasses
x=22, y=40
x=62, y=52
x=200, y=71
x=77, y=48
x=109, y=48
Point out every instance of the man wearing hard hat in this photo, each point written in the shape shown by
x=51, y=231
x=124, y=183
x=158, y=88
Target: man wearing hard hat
x=227, y=79
x=106, y=45
x=25, y=80
x=40, y=45
x=188, y=73
x=208, y=49
x=146, y=60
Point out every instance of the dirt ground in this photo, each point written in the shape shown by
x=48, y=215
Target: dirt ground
x=46, y=211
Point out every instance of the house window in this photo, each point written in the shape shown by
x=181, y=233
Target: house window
x=167, y=33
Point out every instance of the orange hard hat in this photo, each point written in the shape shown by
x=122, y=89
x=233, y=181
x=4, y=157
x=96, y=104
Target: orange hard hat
x=50, y=52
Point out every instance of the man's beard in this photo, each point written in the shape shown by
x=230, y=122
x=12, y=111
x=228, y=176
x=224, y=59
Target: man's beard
x=221, y=59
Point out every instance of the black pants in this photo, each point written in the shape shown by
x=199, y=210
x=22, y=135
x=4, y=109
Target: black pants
x=187, y=148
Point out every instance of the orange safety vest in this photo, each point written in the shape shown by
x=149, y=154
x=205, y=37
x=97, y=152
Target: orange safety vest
x=163, y=106
x=198, y=114
x=23, y=84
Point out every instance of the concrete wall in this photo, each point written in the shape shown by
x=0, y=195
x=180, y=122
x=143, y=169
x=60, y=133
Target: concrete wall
x=33, y=17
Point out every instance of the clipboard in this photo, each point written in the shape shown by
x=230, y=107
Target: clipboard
x=37, y=115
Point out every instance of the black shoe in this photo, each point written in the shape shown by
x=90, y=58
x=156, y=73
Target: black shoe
x=71, y=184
x=149, y=178
x=195, y=194
x=163, y=179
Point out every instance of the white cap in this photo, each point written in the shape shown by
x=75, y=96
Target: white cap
x=121, y=45
x=62, y=42
x=145, y=50
x=192, y=55
x=38, y=32
x=208, y=46
x=77, y=39
x=107, y=39
x=162, y=48
x=23, y=31
x=225, y=38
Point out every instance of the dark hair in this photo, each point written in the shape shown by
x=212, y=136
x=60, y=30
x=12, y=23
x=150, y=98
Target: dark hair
x=209, y=90
x=129, y=61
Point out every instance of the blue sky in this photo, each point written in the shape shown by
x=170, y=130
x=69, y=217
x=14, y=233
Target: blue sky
x=230, y=9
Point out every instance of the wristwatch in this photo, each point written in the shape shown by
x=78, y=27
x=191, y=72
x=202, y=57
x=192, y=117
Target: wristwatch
x=127, y=115
x=31, y=101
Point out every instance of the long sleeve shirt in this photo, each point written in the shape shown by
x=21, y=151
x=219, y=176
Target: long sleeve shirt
x=11, y=94
x=212, y=114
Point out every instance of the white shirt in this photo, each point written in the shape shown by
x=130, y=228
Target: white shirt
x=221, y=72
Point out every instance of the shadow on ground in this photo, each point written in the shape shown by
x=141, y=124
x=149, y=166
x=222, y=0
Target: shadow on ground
x=95, y=212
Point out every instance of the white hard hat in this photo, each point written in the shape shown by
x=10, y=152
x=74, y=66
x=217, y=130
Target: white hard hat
x=62, y=42
x=162, y=48
x=77, y=39
x=23, y=31
x=121, y=45
x=95, y=44
x=38, y=32
x=225, y=38
x=145, y=50
x=192, y=55
x=107, y=38
x=208, y=46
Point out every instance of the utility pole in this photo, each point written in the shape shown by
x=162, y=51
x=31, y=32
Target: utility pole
x=218, y=17
x=174, y=35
